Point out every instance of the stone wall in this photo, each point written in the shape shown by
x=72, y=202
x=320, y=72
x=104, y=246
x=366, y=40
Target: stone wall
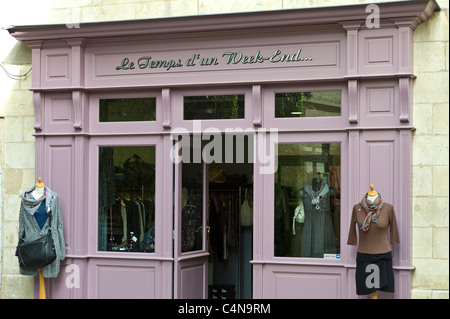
x=430, y=167
x=430, y=175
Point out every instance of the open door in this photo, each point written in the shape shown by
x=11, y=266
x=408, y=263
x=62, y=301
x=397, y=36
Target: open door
x=190, y=231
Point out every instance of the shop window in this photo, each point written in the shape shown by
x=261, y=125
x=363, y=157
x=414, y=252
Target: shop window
x=128, y=110
x=308, y=104
x=126, y=200
x=192, y=207
x=307, y=200
x=213, y=107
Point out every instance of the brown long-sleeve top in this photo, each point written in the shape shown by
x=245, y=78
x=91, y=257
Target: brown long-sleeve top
x=376, y=239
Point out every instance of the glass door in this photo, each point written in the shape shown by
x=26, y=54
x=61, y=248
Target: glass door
x=190, y=232
x=213, y=160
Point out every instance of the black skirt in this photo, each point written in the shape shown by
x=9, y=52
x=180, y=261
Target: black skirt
x=374, y=272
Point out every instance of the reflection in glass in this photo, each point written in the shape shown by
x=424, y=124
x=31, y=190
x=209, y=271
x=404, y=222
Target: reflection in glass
x=308, y=104
x=212, y=107
x=126, y=195
x=128, y=110
x=307, y=200
x=192, y=207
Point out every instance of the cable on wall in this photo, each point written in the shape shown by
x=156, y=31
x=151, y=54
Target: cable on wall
x=14, y=76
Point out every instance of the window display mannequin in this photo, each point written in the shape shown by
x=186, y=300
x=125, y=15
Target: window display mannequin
x=376, y=220
x=37, y=203
x=318, y=236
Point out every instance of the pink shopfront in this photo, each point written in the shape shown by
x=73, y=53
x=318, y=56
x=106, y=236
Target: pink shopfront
x=183, y=148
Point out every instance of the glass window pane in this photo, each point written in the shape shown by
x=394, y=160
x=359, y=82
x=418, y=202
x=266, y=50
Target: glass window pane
x=192, y=207
x=307, y=200
x=213, y=107
x=128, y=110
x=126, y=201
x=308, y=104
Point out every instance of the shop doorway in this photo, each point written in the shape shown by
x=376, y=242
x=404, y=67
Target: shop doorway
x=213, y=242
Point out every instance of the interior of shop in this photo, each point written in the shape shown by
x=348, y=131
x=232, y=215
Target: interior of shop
x=229, y=218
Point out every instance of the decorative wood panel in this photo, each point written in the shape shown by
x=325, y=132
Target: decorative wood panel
x=125, y=282
x=59, y=177
x=192, y=278
x=377, y=164
x=378, y=51
x=56, y=67
x=306, y=286
x=379, y=103
x=59, y=113
x=303, y=281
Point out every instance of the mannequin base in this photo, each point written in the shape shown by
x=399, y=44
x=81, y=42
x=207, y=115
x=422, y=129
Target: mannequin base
x=41, y=285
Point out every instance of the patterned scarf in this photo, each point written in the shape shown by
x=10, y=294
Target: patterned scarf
x=316, y=196
x=372, y=209
x=31, y=204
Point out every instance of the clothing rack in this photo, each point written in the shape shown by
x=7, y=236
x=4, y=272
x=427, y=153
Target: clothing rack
x=239, y=189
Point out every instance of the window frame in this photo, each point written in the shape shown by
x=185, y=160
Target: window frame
x=126, y=126
x=295, y=124
x=221, y=125
x=269, y=199
x=111, y=141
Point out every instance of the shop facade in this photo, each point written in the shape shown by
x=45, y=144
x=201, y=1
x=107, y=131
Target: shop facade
x=318, y=95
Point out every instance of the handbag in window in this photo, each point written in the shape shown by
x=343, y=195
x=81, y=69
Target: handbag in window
x=299, y=216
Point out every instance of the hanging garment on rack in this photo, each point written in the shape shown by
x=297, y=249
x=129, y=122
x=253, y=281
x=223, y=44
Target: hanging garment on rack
x=233, y=220
x=134, y=220
x=226, y=212
x=139, y=172
x=283, y=218
x=123, y=213
x=246, y=212
x=214, y=233
x=106, y=193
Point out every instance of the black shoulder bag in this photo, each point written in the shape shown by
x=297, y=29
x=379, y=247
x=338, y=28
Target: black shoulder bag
x=38, y=253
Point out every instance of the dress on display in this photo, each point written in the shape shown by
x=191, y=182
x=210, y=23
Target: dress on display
x=318, y=236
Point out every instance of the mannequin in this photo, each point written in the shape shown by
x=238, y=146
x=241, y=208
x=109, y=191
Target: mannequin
x=318, y=237
x=375, y=220
x=38, y=193
x=39, y=190
x=38, y=203
x=372, y=195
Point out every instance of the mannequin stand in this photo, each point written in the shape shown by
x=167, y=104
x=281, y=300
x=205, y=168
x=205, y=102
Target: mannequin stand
x=41, y=285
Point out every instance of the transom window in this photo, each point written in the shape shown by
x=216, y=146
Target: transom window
x=308, y=104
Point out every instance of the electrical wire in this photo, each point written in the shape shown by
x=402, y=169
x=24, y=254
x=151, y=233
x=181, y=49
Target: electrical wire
x=13, y=76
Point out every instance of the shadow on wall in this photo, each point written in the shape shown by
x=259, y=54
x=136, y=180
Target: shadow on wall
x=19, y=54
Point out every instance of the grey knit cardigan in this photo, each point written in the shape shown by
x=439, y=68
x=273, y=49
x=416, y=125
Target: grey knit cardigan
x=28, y=223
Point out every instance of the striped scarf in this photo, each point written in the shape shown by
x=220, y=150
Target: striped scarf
x=372, y=209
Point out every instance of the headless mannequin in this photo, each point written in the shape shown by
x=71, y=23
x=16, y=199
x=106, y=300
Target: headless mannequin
x=316, y=183
x=39, y=190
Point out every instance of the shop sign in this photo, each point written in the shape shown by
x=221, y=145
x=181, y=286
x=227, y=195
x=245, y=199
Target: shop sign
x=226, y=58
